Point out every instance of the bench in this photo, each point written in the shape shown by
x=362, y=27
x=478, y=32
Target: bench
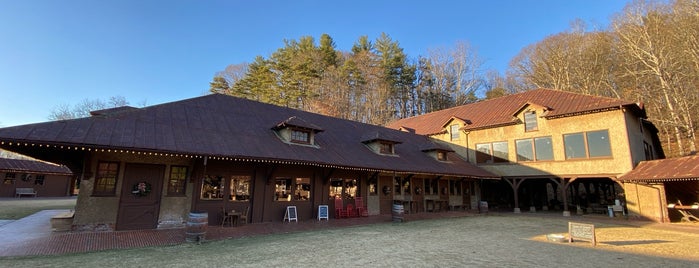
x=19, y=192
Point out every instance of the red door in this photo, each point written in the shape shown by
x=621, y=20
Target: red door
x=139, y=204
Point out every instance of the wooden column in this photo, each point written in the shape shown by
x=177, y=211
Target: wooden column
x=563, y=183
x=515, y=183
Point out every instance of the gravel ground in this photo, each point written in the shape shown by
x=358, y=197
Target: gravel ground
x=497, y=240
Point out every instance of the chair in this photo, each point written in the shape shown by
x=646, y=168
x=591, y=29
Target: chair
x=340, y=211
x=244, y=216
x=226, y=216
x=350, y=211
x=361, y=209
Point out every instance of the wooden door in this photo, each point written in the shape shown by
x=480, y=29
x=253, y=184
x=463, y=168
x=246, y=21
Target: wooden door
x=139, y=209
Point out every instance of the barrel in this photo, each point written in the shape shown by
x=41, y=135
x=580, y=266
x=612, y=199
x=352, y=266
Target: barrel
x=397, y=213
x=196, y=226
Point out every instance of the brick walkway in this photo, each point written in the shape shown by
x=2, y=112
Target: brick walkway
x=32, y=235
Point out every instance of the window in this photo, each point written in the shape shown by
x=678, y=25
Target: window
x=454, y=132
x=537, y=149
x=648, y=151
x=347, y=188
x=495, y=152
x=442, y=156
x=397, y=185
x=406, y=186
x=39, y=180
x=544, y=148
x=300, y=136
x=589, y=144
x=386, y=148
x=106, y=178
x=530, y=123
x=598, y=143
x=575, y=146
x=212, y=188
x=454, y=187
x=431, y=186
x=178, y=178
x=239, y=188
x=288, y=189
x=373, y=186
x=10, y=175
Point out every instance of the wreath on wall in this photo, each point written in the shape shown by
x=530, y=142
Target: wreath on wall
x=141, y=189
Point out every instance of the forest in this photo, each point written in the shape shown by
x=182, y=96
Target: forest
x=649, y=53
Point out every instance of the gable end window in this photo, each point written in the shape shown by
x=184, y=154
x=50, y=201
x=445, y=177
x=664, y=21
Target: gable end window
x=106, y=179
x=454, y=129
x=530, y=123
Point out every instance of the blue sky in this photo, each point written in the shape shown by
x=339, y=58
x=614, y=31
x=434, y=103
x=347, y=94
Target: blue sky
x=61, y=52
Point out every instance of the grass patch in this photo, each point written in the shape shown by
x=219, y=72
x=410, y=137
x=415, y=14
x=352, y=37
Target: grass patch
x=17, y=208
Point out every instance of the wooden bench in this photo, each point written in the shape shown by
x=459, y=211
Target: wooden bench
x=19, y=192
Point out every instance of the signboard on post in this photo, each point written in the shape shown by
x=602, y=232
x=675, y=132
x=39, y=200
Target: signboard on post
x=582, y=231
x=290, y=214
x=323, y=212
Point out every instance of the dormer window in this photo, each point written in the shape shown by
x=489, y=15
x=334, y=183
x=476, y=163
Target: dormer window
x=530, y=123
x=297, y=131
x=386, y=148
x=437, y=151
x=380, y=143
x=300, y=136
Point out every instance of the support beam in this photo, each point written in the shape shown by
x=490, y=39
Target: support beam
x=515, y=183
x=563, y=183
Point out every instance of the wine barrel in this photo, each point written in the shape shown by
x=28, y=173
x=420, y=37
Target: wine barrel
x=398, y=212
x=196, y=226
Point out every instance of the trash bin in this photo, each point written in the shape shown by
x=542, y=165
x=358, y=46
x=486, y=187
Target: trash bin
x=610, y=210
x=398, y=212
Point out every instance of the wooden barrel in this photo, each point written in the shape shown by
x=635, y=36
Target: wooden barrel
x=196, y=226
x=398, y=212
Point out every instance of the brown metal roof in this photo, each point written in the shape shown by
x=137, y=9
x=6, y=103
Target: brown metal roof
x=501, y=111
x=32, y=166
x=671, y=169
x=224, y=126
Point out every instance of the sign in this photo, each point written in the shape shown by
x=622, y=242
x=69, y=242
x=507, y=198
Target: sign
x=290, y=214
x=581, y=231
x=323, y=212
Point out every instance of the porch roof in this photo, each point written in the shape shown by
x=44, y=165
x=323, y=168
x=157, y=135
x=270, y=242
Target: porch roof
x=671, y=169
x=32, y=166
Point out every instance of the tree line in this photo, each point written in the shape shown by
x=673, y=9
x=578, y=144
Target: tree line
x=649, y=53
x=374, y=82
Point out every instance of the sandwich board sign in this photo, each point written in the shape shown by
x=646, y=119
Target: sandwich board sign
x=290, y=214
x=323, y=212
x=581, y=231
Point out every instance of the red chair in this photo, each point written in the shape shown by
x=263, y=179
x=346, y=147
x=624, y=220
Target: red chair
x=340, y=211
x=361, y=209
x=350, y=211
